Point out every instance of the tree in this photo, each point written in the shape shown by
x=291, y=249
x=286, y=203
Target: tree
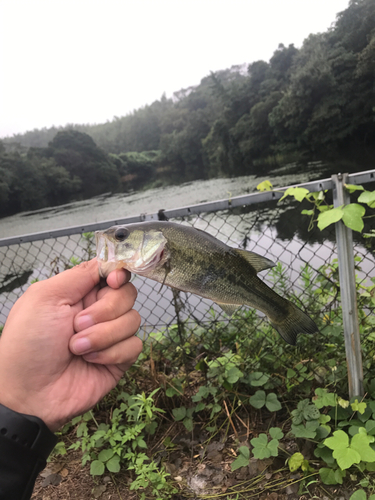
x=78, y=154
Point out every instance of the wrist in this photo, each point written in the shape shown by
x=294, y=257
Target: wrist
x=26, y=431
x=20, y=405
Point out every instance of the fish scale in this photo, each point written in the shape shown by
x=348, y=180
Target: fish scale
x=194, y=261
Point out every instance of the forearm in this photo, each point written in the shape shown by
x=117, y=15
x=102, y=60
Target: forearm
x=25, y=443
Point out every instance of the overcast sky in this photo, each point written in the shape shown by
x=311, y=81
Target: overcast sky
x=86, y=61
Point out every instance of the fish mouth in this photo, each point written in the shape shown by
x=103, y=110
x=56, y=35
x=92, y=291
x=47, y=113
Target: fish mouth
x=105, y=254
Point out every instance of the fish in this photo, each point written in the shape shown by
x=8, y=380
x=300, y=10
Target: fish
x=192, y=260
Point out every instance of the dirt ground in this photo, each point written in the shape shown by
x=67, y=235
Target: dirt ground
x=202, y=475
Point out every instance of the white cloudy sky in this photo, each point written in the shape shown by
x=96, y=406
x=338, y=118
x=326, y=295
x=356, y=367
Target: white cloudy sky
x=86, y=61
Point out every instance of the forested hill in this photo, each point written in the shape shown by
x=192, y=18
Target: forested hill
x=312, y=103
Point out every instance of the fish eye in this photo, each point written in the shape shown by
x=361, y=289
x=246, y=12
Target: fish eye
x=121, y=234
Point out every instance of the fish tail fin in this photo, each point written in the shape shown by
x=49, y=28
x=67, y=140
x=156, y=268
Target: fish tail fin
x=295, y=322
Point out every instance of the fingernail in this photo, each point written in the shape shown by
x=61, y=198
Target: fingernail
x=122, y=277
x=81, y=345
x=84, y=322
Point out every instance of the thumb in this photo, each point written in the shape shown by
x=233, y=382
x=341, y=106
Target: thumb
x=73, y=284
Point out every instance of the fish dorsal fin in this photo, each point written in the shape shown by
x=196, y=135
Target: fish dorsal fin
x=258, y=262
x=229, y=309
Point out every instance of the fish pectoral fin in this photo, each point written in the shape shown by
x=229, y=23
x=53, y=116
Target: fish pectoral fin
x=229, y=309
x=167, y=268
x=258, y=262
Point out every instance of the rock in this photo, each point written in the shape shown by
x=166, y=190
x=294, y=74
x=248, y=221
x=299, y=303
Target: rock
x=52, y=479
x=98, y=491
x=198, y=483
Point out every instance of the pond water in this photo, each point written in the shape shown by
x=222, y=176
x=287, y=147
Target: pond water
x=279, y=234
x=109, y=207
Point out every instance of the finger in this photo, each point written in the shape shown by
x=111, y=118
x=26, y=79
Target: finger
x=110, y=305
x=124, y=354
x=105, y=335
x=73, y=284
x=91, y=297
x=118, y=277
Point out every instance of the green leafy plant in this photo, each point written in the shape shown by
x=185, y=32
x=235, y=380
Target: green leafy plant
x=352, y=215
x=121, y=442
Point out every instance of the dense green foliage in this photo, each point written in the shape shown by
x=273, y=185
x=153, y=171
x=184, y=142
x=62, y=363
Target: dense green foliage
x=313, y=103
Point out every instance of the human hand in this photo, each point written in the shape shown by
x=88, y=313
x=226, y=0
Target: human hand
x=67, y=342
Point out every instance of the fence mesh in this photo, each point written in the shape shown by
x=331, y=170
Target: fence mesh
x=184, y=331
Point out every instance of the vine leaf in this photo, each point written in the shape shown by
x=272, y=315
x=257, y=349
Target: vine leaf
x=329, y=217
x=352, y=217
x=264, y=186
x=298, y=193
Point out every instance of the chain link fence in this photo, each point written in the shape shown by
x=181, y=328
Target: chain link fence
x=183, y=332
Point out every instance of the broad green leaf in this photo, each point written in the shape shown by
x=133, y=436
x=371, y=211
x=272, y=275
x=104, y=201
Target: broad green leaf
x=244, y=450
x=200, y=406
x=324, y=419
x=60, y=449
x=105, y=455
x=298, y=193
x=257, y=379
x=324, y=398
x=367, y=197
x=361, y=444
x=346, y=457
x=360, y=407
x=307, y=431
x=329, y=217
x=330, y=476
x=215, y=409
x=340, y=439
x=311, y=412
x=258, y=400
x=352, y=217
x=233, y=375
x=322, y=432
x=240, y=461
x=97, y=468
x=113, y=465
x=358, y=495
x=179, y=413
x=141, y=443
x=273, y=446
x=276, y=433
x=343, y=402
x=202, y=393
x=352, y=187
x=260, y=448
x=295, y=461
x=171, y=391
x=370, y=427
x=325, y=454
x=188, y=423
x=272, y=403
x=264, y=186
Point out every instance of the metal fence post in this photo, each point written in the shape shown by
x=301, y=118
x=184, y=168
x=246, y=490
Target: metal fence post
x=345, y=253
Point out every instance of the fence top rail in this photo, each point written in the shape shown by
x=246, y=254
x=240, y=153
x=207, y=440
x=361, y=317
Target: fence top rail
x=210, y=206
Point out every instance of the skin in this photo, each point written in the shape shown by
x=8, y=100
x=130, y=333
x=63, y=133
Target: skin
x=67, y=342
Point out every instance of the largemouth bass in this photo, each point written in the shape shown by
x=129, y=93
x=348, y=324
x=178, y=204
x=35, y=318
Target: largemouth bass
x=192, y=260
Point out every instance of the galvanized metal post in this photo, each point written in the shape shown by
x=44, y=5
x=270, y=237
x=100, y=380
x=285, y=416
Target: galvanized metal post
x=345, y=253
